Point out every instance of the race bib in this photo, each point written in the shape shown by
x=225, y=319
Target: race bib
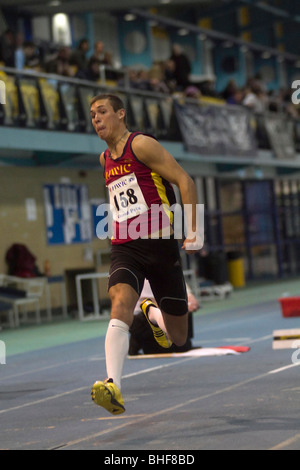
x=126, y=198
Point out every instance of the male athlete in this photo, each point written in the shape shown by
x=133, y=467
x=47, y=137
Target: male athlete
x=138, y=173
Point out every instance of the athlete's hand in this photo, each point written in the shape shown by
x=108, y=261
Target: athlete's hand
x=193, y=303
x=192, y=245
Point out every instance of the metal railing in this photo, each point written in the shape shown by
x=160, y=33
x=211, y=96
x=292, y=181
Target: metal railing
x=38, y=100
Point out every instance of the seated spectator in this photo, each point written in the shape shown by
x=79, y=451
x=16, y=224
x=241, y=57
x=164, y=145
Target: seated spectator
x=169, y=76
x=158, y=86
x=156, y=79
x=288, y=106
x=208, y=87
x=32, y=58
x=132, y=78
x=79, y=58
x=254, y=98
x=229, y=90
x=192, y=92
x=19, y=52
x=137, y=79
x=60, y=64
x=92, y=72
x=142, y=81
x=236, y=97
x=101, y=55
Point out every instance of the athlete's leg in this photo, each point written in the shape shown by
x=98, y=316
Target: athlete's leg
x=176, y=328
x=155, y=316
x=123, y=301
x=108, y=393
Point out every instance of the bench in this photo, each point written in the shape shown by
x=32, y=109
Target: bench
x=19, y=294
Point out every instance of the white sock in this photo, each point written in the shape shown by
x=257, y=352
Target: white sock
x=116, y=349
x=155, y=316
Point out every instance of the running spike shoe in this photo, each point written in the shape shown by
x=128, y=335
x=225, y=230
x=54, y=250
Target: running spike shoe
x=159, y=335
x=107, y=395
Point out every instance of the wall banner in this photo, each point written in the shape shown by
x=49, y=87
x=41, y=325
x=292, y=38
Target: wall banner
x=216, y=130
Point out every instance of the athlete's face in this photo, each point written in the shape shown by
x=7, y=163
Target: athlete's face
x=105, y=120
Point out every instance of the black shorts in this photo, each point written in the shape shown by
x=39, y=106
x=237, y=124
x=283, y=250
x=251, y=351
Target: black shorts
x=155, y=260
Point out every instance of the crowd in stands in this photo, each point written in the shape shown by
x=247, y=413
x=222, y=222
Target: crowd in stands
x=168, y=77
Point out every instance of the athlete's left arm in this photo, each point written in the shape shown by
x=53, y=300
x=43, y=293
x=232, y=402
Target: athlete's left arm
x=155, y=156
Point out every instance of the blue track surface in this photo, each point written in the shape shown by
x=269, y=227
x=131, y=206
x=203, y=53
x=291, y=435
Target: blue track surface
x=250, y=401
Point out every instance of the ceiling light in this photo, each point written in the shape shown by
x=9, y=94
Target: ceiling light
x=266, y=55
x=244, y=49
x=130, y=17
x=227, y=44
x=183, y=32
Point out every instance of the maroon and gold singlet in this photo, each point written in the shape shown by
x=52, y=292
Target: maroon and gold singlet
x=140, y=199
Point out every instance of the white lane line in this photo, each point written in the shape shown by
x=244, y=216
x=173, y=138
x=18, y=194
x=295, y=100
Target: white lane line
x=282, y=369
x=145, y=371
x=63, y=394
x=161, y=412
x=53, y=366
x=287, y=443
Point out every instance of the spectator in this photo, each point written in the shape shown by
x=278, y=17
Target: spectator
x=138, y=79
x=92, y=72
x=157, y=84
x=79, y=56
x=142, y=80
x=192, y=92
x=7, y=48
x=132, y=78
x=182, y=67
x=31, y=54
x=254, y=98
x=169, y=76
x=19, y=52
x=290, y=109
x=230, y=89
x=60, y=64
x=207, y=87
x=236, y=97
x=101, y=55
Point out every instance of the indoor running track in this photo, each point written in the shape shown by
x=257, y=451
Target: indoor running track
x=249, y=401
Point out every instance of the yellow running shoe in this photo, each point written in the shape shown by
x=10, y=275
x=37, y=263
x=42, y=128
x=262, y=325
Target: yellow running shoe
x=159, y=335
x=107, y=395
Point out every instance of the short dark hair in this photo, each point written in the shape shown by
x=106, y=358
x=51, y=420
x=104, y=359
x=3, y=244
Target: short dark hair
x=114, y=100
